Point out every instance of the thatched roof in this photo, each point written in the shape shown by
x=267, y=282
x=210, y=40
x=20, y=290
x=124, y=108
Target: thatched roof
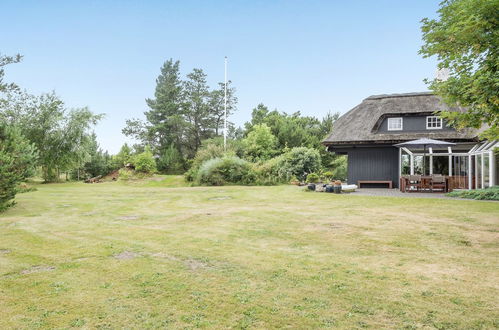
x=359, y=125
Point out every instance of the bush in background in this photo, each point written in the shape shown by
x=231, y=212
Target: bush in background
x=170, y=161
x=144, y=162
x=123, y=157
x=226, y=170
x=295, y=163
x=125, y=174
x=313, y=178
x=339, y=165
x=271, y=172
x=212, y=148
x=260, y=144
x=300, y=161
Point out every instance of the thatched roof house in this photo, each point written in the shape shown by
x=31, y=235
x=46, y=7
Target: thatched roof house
x=368, y=132
x=363, y=124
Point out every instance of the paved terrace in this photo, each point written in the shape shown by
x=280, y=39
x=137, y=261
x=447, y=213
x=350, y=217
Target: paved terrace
x=398, y=193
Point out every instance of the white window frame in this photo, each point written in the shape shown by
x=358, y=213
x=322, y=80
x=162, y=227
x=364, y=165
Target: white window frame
x=438, y=121
x=398, y=120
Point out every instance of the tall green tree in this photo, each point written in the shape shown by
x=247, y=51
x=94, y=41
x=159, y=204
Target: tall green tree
x=197, y=111
x=17, y=162
x=465, y=40
x=164, y=123
x=182, y=114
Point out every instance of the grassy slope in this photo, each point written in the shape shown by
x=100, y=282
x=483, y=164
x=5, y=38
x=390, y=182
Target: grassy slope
x=244, y=257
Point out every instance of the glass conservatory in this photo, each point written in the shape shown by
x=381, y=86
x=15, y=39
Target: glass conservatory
x=468, y=166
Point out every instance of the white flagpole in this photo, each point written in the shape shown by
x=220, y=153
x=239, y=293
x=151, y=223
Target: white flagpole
x=225, y=108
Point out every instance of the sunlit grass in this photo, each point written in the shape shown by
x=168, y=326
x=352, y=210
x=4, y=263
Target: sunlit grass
x=144, y=254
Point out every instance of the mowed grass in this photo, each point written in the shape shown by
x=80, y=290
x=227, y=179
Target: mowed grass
x=149, y=255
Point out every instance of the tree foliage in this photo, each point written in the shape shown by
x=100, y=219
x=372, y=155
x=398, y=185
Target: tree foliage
x=465, y=40
x=61, y=136
x=260, y=144
x=297, y=162
x=98, y=162
x=182, y=114
x=170, y=160
x=123, y=157
x=17, y=162
x=144, y=162
x=5, y=60
x=295, y=130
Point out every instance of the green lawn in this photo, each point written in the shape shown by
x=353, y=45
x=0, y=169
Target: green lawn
x=155, y=254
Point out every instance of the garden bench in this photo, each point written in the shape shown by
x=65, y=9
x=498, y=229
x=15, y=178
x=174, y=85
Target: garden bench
x=388, y=182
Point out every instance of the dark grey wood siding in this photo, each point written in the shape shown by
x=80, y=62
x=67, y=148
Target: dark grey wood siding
x=413, y=124
x=373, y=163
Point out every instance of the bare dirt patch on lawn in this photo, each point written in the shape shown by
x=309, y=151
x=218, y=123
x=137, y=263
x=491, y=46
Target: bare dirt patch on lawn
x=37, y=269
x=128, y=217
x=126, y=255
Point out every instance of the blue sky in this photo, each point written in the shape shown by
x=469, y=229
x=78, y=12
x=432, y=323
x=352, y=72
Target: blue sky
x=311, y=56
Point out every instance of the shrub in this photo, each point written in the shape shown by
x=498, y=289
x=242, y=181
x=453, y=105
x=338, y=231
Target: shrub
x=328, y=175
x=300, y=161
x=271, y=172
x=212, y=148
x=144, y=162
x=229, y=169
x=339, y=166
x=491, y=193
x=313, y=178
x=297, y=162
x=125, y=174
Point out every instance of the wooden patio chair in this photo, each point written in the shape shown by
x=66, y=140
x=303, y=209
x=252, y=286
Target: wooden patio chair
x=438, y=182
x=413, y=181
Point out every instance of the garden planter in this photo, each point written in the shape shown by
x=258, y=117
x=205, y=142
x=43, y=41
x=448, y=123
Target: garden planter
x=337, y=189
x=311, y=186
x=329, y=188
x=320, y=187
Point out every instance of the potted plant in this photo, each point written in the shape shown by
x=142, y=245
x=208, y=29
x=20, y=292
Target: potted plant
x=337, y=187
x=328, y=176
x=312, y=179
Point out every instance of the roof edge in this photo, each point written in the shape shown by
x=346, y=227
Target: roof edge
x=387, y=96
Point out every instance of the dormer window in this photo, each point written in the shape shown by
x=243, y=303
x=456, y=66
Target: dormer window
x=395, y=124
x=433, y=122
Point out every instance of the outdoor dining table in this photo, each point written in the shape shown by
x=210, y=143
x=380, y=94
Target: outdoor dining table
x=426, y=181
